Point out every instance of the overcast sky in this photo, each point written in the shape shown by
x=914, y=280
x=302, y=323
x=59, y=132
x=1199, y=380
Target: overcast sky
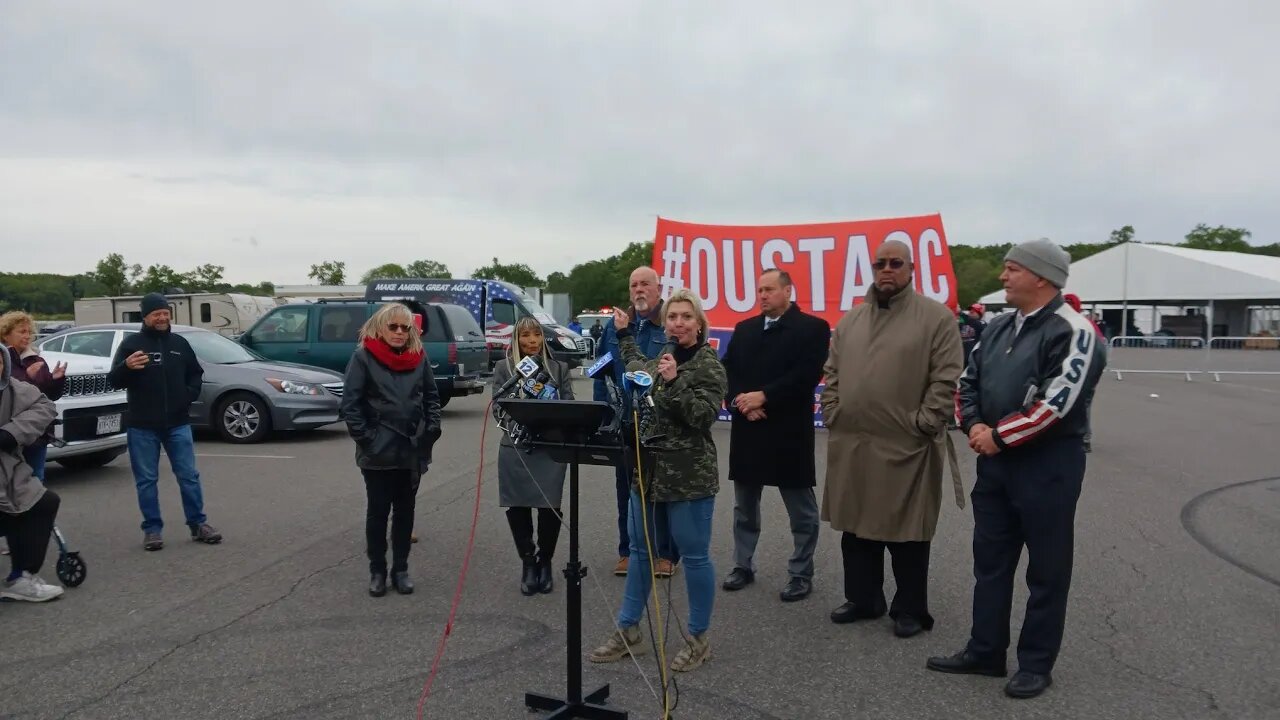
x=266, y=136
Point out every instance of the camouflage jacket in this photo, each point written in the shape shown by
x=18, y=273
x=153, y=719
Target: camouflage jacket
x=685, y=466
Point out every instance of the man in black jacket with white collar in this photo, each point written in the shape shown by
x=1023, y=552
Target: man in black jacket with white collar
x=774, y=362
x=1023, y=398
x=160, y=371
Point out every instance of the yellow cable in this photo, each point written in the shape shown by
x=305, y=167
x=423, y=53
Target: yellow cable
x=653, y=573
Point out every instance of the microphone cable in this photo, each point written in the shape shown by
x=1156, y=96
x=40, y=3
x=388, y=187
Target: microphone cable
x=660, y=641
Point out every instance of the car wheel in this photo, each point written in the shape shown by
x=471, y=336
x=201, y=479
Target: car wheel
x=243, y=418
x=90, y=461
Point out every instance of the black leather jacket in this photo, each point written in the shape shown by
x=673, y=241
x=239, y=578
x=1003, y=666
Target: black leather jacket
x=393, y=416
x=1034, y=385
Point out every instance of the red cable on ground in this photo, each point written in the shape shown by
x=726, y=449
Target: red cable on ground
x=462, y=575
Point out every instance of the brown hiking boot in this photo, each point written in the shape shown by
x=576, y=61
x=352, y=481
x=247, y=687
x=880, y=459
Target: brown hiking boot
x=664, y=568
x=152, y=542
x=205, y=533
x=693, y=654
x=620, y=642
x=621, y=568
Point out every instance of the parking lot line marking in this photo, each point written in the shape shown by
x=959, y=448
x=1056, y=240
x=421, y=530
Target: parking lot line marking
x=253, y=457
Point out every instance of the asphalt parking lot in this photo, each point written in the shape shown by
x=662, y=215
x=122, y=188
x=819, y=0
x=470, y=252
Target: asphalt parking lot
x=1174, y=611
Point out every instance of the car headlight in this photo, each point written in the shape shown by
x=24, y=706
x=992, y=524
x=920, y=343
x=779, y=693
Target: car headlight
x=293, y=387
x=567, y=343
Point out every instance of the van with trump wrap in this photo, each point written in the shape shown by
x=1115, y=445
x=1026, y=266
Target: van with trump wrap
x=496, y=306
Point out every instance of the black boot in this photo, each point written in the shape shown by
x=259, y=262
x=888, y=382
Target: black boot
x=545, y=583
x=378, y=584
x=529, y=580
x=402, y=583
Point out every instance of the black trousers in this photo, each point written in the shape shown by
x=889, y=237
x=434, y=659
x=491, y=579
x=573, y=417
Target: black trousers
x=1025, y=496
x=864, y=577
x=28, y=533
x=521, y=521
x=390, y=492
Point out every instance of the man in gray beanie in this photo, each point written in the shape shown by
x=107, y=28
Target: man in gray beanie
x=1022, y=403
x=160, y=371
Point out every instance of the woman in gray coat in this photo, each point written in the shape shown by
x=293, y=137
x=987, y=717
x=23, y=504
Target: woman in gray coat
x=528, y=480
x=27, y=509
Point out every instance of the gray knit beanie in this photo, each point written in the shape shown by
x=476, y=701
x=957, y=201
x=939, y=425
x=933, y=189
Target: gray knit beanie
x=1043, y=258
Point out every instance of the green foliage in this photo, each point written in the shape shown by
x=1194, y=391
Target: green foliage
x=114, y=275
x=427, y=269
x=162, y=278
x=518, y=274
x=382, y=272
x=205, y=278
x=1204, y=237
x=329, y=272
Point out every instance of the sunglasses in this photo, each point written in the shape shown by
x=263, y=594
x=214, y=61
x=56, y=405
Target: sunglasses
x=397, y=327
x=894, y=263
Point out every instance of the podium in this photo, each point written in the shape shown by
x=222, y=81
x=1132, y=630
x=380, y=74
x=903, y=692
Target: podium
x=568, y=431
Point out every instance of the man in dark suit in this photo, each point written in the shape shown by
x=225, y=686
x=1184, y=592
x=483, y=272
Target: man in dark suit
x=774, y=362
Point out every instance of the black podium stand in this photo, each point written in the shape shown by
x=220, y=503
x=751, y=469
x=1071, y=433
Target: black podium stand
x=567, y=431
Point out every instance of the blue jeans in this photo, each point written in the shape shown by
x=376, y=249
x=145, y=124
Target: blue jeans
x=659, y=524
x=691, y=530
x=35, y=455
x=144, y=458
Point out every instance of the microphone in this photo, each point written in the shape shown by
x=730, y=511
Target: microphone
x=524, y=370
x=637, y=381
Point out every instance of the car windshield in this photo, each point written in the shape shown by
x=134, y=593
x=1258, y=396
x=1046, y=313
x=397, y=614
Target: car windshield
x=537, y=310
x=215, y=349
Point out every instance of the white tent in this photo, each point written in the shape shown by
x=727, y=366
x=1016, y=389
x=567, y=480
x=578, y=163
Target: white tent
x=1161, y=275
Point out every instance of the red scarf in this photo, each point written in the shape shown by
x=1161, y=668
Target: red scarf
x=397, y=361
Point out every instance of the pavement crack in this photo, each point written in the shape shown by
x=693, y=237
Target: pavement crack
x=201, y=635
x=1110, y=620
x=1148, y=538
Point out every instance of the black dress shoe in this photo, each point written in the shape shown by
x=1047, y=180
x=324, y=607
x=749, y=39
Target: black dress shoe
x=848, y=613
x=738, y=579
x=796, y=589
x=1024, y=685
x=402, y=583
x=906, y=626
x=545, y=583
x=378, y=584
x=966, y=663
x=529, y=578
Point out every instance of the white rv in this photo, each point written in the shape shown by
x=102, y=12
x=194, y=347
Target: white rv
x=226, y=313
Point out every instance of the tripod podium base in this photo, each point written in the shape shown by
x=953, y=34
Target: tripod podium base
x=590, y=707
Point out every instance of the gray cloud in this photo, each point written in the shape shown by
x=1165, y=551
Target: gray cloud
x=553, y=133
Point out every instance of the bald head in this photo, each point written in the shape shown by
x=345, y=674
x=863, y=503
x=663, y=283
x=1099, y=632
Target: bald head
x=893, y=267
x=644, y=289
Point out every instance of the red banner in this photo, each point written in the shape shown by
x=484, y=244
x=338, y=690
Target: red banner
x=829, y=263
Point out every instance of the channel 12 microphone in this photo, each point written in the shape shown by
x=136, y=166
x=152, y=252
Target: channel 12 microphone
x=525, y=369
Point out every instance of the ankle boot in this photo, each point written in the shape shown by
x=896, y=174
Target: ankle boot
x=545, y=583
x=529, y=577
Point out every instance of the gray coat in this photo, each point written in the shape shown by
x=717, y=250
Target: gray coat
x=25, y=413
x=530, y=479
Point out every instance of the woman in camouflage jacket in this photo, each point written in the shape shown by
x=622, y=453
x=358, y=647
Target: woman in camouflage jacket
x=688, y=392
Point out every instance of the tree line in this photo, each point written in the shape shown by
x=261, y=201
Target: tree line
x=591, y=284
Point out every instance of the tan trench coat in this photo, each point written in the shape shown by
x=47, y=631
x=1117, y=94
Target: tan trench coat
x=890, y=389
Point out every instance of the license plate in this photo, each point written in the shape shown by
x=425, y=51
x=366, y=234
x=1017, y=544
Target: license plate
x=109, y=424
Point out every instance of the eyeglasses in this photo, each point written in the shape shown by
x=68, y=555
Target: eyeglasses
x=397, y=327
x=894, y=263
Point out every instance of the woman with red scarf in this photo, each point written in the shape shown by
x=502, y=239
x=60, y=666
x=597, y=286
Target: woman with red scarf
x=392, y=408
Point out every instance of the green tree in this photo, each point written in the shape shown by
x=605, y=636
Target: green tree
x=114, y=275
x=162, y=278
x=558, y=282
x=329, y=272
x=1204, y=237
x=207, y=277
x=1123, y=235
x=382, y=272
x=518, y=274
x=427, y=269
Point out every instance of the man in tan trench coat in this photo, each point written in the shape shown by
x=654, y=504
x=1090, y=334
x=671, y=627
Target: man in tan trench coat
x=890, y=386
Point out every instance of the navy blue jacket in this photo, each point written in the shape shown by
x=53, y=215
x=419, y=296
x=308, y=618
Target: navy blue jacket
x=650, y=338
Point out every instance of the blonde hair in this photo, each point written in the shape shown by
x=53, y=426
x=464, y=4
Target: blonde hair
x=685, y=295
x=514, y=354
x=377, y=325
x=12, y=319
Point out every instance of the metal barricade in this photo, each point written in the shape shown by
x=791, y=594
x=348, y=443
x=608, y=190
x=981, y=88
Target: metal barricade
x=1189, y=356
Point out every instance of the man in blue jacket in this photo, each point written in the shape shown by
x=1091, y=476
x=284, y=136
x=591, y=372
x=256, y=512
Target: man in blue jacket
x=647, y=327
x=1023, y=403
